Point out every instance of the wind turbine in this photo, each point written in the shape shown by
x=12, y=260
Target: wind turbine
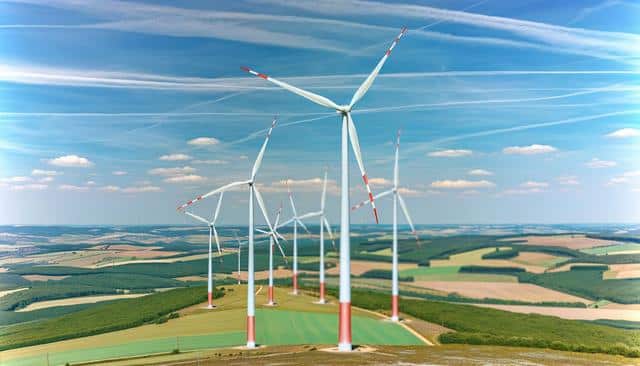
x=271, y=235
x=253, y=191
x=348, y=132
x=324, y=225
x=212, y=230
x=296, y=220
x=395, y=191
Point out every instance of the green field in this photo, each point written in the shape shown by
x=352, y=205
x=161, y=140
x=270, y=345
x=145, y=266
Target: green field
x=273, y=327
x=476, y=325
x=452, y=273
x=612, y=249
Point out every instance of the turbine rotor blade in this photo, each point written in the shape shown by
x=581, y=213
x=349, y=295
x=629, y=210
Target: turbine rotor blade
x=324, y=191
x=215, y=235
x=377, y=196
x=310, y=215
x=362, y=90
x=201, y=219
x=355, y=144
x=263, y=209
x=286, y=222
x=403, y=205
x=215, y=191
x=258, y=161
x=293, y=205
x=303, y=226
x=215, y=215
x=318, y=99
x=328, y=227
x=396, y=169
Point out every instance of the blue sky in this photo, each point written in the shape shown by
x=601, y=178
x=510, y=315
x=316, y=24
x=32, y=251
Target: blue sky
x=116, y=112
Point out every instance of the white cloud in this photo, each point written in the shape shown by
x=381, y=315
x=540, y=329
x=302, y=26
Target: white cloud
x=74, y=188
x=141, y=189
x=532, y=184
x=18, y=179
x=46, y=180
x=189, y=178
x=243, y=157
x=522, y=191
x=529, y=150
x=168, y=172
x=409, y=192
x=596, y=163
x=119, y=172
x=569, y=180
x=90, y=183
x=624, y=133
x=29, y=187
x=109, y=189
x=632, y=173
x=71, y=161
x=451, y=153
x=211, y=162
x=618, y=180
x=462, y=184
x=47, y=173
x=175, y=157
x=381, y=182
x=301, y=185
x=204, y=141
x=479, y=172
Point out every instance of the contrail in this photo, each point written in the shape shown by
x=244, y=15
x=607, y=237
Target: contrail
x=523, y=127
x=487, y=101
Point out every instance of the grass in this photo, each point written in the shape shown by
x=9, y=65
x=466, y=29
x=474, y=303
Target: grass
x=452, y=273
x=612, y=249
x=296, y=321
x=101, y=318
x=475, y=325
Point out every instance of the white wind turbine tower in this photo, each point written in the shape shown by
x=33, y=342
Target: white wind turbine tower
x=395, y=190
x=253, y=191
x=272, y=234
x=348, y=132
x=324, y=225
x=214, y=232
x=296, y=220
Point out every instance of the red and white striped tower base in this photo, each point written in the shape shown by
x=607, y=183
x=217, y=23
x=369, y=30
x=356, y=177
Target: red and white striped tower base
x=394, y=260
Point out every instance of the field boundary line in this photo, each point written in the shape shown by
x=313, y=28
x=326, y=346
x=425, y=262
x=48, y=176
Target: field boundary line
x=402, y=324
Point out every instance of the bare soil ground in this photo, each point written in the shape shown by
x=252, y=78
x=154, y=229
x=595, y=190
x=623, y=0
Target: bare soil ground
x=501, y=290
x=43, y=278
x=360, y=267
x=619, y=271
x=571, y=313
x=7, y=292
x=568, y=241
x=458, y=355
x=75, y=301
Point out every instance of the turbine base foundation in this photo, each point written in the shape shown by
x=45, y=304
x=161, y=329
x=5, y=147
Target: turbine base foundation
x=271, y=301
x=322, y=300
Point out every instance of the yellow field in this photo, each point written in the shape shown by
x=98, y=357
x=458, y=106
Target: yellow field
x=359, y=267
x=571, y=313
x=7, y=292
x=501, y=290
x=43, y=278
x=75, y=301
x=568, y=241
